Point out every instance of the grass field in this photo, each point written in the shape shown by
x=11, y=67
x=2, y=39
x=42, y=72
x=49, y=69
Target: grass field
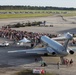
x=2, y=16
x=33, y=13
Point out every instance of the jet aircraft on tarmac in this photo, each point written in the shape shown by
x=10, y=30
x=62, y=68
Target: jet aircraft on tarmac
x=52, y=47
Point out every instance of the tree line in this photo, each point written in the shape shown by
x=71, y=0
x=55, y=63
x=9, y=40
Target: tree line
x=11, y=7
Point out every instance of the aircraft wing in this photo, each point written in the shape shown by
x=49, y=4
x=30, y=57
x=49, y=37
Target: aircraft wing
x=35, y=50
x=59, y=38
x=72, y=48
x=47, y=50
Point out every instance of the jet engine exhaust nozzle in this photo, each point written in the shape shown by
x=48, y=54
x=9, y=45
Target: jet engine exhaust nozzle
x=71, y=52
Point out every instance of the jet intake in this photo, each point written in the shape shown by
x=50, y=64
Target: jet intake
x=71, y=52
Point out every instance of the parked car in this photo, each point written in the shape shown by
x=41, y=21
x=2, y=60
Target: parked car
x=4, y=44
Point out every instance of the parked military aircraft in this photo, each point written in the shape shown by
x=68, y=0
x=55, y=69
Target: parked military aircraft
x=51, y=47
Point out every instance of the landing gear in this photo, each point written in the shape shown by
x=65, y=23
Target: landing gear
x=62, y=60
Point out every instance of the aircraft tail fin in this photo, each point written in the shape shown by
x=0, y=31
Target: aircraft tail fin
x=66, y=44
x=68, y=38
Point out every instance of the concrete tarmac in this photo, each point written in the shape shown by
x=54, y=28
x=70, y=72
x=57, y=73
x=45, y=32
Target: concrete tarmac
x=23, y=60
x=16, y=59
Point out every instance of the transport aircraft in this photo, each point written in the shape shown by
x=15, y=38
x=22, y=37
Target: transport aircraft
x=52, y=47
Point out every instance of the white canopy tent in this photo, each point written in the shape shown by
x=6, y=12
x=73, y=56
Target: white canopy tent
x=25, y=40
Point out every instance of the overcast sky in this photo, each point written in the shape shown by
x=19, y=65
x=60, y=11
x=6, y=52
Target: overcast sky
x=57, y=3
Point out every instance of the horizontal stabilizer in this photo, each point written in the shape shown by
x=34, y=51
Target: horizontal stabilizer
x=64, y=37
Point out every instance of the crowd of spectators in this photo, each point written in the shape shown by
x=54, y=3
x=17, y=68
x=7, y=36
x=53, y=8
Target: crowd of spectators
x=15, y=35
x=68, y=62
